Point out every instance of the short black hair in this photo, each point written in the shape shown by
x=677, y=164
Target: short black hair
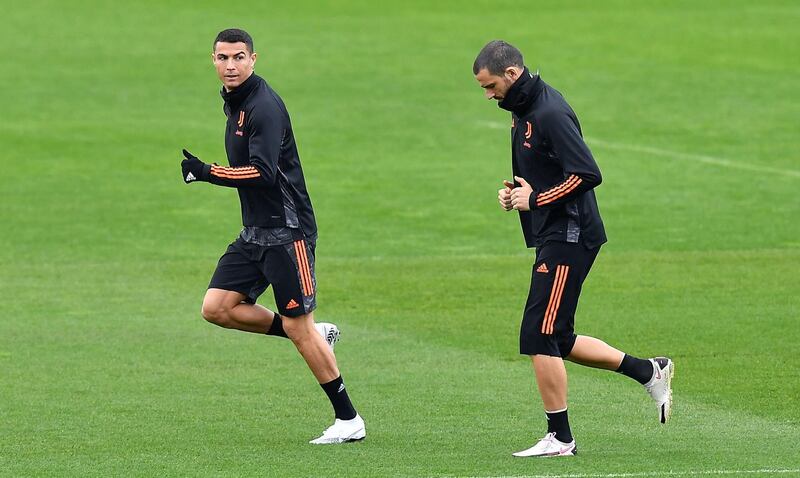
x=496, y=56
x=233, y=35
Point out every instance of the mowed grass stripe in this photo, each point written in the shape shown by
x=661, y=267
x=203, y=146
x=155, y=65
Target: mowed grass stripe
x=489, y=404
x=643, y=303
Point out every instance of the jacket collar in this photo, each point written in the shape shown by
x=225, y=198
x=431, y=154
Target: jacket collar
x=522, y=93
x=236, y=97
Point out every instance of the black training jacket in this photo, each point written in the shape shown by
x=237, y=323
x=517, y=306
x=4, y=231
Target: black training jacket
x=264, y=164
x=547, y=149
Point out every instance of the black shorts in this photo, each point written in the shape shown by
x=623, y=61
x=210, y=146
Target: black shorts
x=249, y=269
x=548, y=324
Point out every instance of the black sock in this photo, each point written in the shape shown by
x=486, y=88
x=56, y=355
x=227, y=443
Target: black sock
x=558, y=422
x=337, y=394
x=638, y=369
x=277, y=326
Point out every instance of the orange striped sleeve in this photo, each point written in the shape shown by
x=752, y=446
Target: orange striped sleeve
x=557, y=189
x=242, y=170
x=247, y=172
x=557, y=192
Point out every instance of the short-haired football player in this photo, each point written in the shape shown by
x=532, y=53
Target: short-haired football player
x=276, y=246
x=553, y=191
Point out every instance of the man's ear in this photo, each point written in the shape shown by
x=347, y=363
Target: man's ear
x=253, y=56
x=512, y=73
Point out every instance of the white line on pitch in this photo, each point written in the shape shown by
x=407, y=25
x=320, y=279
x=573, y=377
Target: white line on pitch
x=495, y=125
x=658, y=473
x=700, y=158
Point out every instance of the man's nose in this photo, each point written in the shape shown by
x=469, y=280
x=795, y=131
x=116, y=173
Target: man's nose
x=229, y=65
x=489, y=94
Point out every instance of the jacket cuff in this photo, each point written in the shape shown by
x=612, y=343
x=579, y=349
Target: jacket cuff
x=205, y=173
x=532, y=200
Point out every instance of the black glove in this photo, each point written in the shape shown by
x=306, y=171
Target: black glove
x=193, y=169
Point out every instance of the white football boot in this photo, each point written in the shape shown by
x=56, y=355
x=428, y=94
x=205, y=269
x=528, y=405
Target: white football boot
x=660, y=386
x=550, y=446
x=342, y=431
x=329, y=332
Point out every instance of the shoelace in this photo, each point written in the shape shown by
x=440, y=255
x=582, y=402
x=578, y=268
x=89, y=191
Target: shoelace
x=549, y=437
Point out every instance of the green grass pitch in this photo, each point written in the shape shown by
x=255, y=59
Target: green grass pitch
x=107, y=369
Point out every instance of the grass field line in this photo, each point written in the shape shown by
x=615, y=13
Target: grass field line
x=765, y=471
x=700, y=158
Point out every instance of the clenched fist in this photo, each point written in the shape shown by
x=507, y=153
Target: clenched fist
x=521, y=196
x=504, y=195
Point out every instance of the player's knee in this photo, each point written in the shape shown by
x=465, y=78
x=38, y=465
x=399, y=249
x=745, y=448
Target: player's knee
x=217, y=314
x=297, y=328
x=292, y=330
